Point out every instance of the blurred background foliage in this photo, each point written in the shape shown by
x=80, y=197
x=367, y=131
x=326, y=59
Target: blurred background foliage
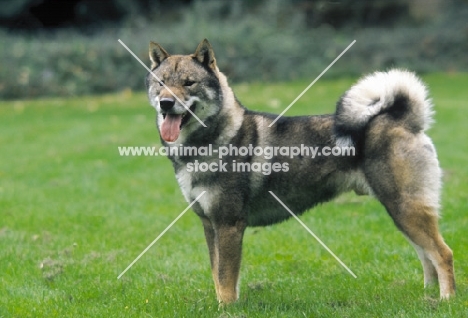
x=69, y=47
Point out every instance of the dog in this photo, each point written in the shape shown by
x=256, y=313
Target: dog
x=382, y=118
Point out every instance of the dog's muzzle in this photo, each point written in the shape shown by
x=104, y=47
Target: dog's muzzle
x=172, y=122
x=166, y=104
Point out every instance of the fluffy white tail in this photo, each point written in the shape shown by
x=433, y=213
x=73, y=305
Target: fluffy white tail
x=398, y=93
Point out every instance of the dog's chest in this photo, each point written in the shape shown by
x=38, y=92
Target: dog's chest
x=205, y=202
x=184, y=178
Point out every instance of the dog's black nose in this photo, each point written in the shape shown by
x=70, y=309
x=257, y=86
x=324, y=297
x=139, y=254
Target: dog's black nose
x=166, y=103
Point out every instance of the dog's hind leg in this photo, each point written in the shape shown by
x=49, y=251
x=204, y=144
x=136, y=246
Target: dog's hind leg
x=419, y=223
x=430, y=272
x=403, y=172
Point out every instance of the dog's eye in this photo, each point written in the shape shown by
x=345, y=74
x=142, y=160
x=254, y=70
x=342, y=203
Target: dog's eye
x=189, y=83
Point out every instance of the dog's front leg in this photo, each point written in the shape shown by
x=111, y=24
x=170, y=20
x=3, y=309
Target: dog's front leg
x=225, y=253
x=210, y=237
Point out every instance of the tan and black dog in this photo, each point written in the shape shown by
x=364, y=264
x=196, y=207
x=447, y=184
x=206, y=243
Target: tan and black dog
x=382, y=119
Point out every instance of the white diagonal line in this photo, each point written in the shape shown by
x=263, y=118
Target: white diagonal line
x=312, y=233
x=160, y=235
x=161, y=82
x=310, y=85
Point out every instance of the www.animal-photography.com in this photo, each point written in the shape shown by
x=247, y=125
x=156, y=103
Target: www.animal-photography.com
x=283, y=158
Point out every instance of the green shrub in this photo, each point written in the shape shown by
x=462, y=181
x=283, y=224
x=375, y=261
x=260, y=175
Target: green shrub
x=272, y=42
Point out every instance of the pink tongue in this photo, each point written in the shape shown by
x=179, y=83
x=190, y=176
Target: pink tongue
x=170, y=128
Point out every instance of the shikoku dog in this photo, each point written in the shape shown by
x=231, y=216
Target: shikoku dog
x=382, y=118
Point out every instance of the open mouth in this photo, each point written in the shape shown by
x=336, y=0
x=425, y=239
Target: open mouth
x=173, y=123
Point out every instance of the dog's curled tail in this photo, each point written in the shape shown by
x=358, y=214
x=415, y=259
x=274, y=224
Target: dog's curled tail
x=398, y=94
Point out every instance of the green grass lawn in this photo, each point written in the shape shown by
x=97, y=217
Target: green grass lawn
x=74, y=214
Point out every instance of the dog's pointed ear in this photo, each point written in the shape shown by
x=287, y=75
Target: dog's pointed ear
x=205, y=55
x=157, y=54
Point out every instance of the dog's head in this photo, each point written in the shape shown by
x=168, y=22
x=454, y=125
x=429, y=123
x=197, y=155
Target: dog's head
x=184, y=89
